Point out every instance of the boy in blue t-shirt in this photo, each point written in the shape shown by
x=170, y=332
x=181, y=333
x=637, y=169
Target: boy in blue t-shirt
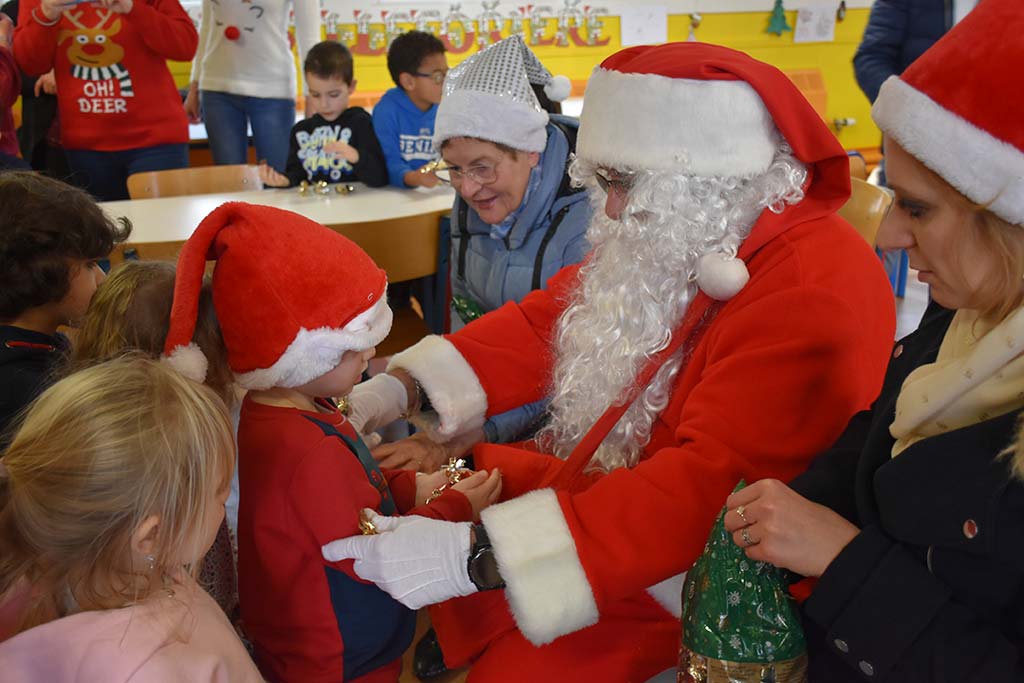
x=404, y=117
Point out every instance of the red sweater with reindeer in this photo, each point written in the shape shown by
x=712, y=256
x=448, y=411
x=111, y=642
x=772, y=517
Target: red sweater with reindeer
x=116, y=92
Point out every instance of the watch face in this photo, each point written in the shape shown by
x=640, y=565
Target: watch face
x=483, y=570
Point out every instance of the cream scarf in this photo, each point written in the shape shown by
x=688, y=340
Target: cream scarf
x=978, y=375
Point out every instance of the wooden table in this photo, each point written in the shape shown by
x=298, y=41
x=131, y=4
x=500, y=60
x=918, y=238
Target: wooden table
x=399, y=229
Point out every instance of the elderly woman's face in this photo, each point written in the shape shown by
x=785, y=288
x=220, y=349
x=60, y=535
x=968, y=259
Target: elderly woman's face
x=934, y=225
x=490, y=180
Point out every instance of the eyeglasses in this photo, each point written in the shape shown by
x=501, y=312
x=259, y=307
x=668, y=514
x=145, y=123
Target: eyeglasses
x=482, y=174
x=620, y=181
x=436, y=76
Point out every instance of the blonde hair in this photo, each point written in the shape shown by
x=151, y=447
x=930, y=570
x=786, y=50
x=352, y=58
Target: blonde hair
x=98, y=453
x=131, y=311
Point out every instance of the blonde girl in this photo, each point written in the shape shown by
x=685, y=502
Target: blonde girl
x=130, y=312
x=113, y=491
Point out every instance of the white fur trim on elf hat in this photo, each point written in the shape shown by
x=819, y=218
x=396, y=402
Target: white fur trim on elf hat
x=558, y=88
x=983, y=168
x=546, y=585
x=314, y=353
x=475, y=114
x=697, y=127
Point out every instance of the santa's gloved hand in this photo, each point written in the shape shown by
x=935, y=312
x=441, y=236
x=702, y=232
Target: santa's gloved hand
x=376, y=402
x=416, y=560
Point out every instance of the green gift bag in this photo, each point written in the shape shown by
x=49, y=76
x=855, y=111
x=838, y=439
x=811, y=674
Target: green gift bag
x=740, y=624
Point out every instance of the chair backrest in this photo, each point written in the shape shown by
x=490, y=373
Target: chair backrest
x=197, y=180
x=858, y=167
x=866, y=208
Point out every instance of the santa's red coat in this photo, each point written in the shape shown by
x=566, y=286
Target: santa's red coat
x=772, y=380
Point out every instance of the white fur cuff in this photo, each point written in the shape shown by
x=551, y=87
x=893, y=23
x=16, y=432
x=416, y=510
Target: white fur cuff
x=546, y=585
x=449, y=381
x=669, y=594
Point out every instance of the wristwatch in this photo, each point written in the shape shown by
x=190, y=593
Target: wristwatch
x=482, y=566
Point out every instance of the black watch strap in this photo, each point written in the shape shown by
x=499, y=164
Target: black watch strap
x=482, y=566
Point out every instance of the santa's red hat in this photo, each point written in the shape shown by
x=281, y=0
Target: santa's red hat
x=702, y=110
x=291, y=296
x=957, y=109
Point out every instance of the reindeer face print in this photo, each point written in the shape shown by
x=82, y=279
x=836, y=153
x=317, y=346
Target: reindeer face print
x=236, y=18
x=92, y=47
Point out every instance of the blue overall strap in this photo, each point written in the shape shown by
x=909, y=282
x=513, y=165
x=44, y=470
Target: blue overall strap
x=362, y=453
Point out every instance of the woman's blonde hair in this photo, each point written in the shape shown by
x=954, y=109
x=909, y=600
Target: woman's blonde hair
x=98, y=453
x=131, y=311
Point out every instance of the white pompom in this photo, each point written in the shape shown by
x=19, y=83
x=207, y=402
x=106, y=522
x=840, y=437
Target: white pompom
x=721, y=277
x=559, y=88
x=189, y=361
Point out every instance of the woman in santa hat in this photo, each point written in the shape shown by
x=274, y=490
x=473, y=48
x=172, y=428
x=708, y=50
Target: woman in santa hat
x=913, y=522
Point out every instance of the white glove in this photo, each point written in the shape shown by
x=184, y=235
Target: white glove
x=416, y=560
x=378, y=401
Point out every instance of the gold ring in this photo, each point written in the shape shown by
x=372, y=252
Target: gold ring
x=739, y=511
x=747, y=540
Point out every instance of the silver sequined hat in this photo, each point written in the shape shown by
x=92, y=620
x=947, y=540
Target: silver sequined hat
x=489, y=96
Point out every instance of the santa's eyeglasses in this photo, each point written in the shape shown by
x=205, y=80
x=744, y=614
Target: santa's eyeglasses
x=620, y=181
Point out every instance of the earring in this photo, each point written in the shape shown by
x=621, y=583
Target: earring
x=151, y=562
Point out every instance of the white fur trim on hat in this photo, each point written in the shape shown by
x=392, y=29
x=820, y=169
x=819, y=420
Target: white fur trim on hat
x=697, y=127
x=450, y=382
x=474, y=114
x=721, y=276
x=314, y=353
x=188, y=360
x=983, y=168
x=546, y=585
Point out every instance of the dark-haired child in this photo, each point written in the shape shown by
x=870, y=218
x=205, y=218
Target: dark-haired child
x=51, y=235
x=337, y=143
x=404, y=117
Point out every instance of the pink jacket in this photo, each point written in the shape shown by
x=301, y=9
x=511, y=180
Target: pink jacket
x=181, y=638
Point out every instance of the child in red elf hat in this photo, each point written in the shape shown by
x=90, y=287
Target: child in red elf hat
x=301, y=309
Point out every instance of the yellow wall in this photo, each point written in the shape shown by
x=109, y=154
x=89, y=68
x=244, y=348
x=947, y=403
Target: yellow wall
x=743, y=31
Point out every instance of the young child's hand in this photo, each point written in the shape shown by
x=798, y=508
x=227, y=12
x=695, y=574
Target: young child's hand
x=426, y=484
x=481, y=488
x=345, y=150
x=271, y=178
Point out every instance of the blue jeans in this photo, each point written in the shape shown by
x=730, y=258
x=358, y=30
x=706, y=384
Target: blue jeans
x=225, y=116
x=105, y=174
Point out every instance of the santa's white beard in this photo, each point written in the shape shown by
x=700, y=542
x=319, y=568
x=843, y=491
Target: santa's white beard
x=634, y=291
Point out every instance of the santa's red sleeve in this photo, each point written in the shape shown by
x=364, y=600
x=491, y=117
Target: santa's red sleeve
x=496, y=363
x=777, y=387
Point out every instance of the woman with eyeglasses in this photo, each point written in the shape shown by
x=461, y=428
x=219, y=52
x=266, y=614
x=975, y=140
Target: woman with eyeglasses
x=517, y=219
x=912, y=523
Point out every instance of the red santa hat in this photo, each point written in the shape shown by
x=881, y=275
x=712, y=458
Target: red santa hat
x=291, y=296
x=702, y=110
x=956, y=109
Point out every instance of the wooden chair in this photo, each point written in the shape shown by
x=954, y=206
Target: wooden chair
x=407, y=249
x=199, y=180
x=866, y=208
x=858, y=166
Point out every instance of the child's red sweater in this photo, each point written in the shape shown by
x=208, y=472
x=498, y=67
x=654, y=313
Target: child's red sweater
x=115, y=90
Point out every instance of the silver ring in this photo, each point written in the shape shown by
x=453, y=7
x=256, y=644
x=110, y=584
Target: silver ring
x=747, y=540
x=739, y=511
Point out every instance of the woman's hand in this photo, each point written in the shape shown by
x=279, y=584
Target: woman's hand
x=481, y=488
x=343, y=149
x=192, y=104
x=773, y=523
x=47, y=83
x=271, y=178
x=415, y=453
x=52, y=9
x=117, y=6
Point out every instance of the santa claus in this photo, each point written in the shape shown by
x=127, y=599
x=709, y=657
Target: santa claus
x=726, y=325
